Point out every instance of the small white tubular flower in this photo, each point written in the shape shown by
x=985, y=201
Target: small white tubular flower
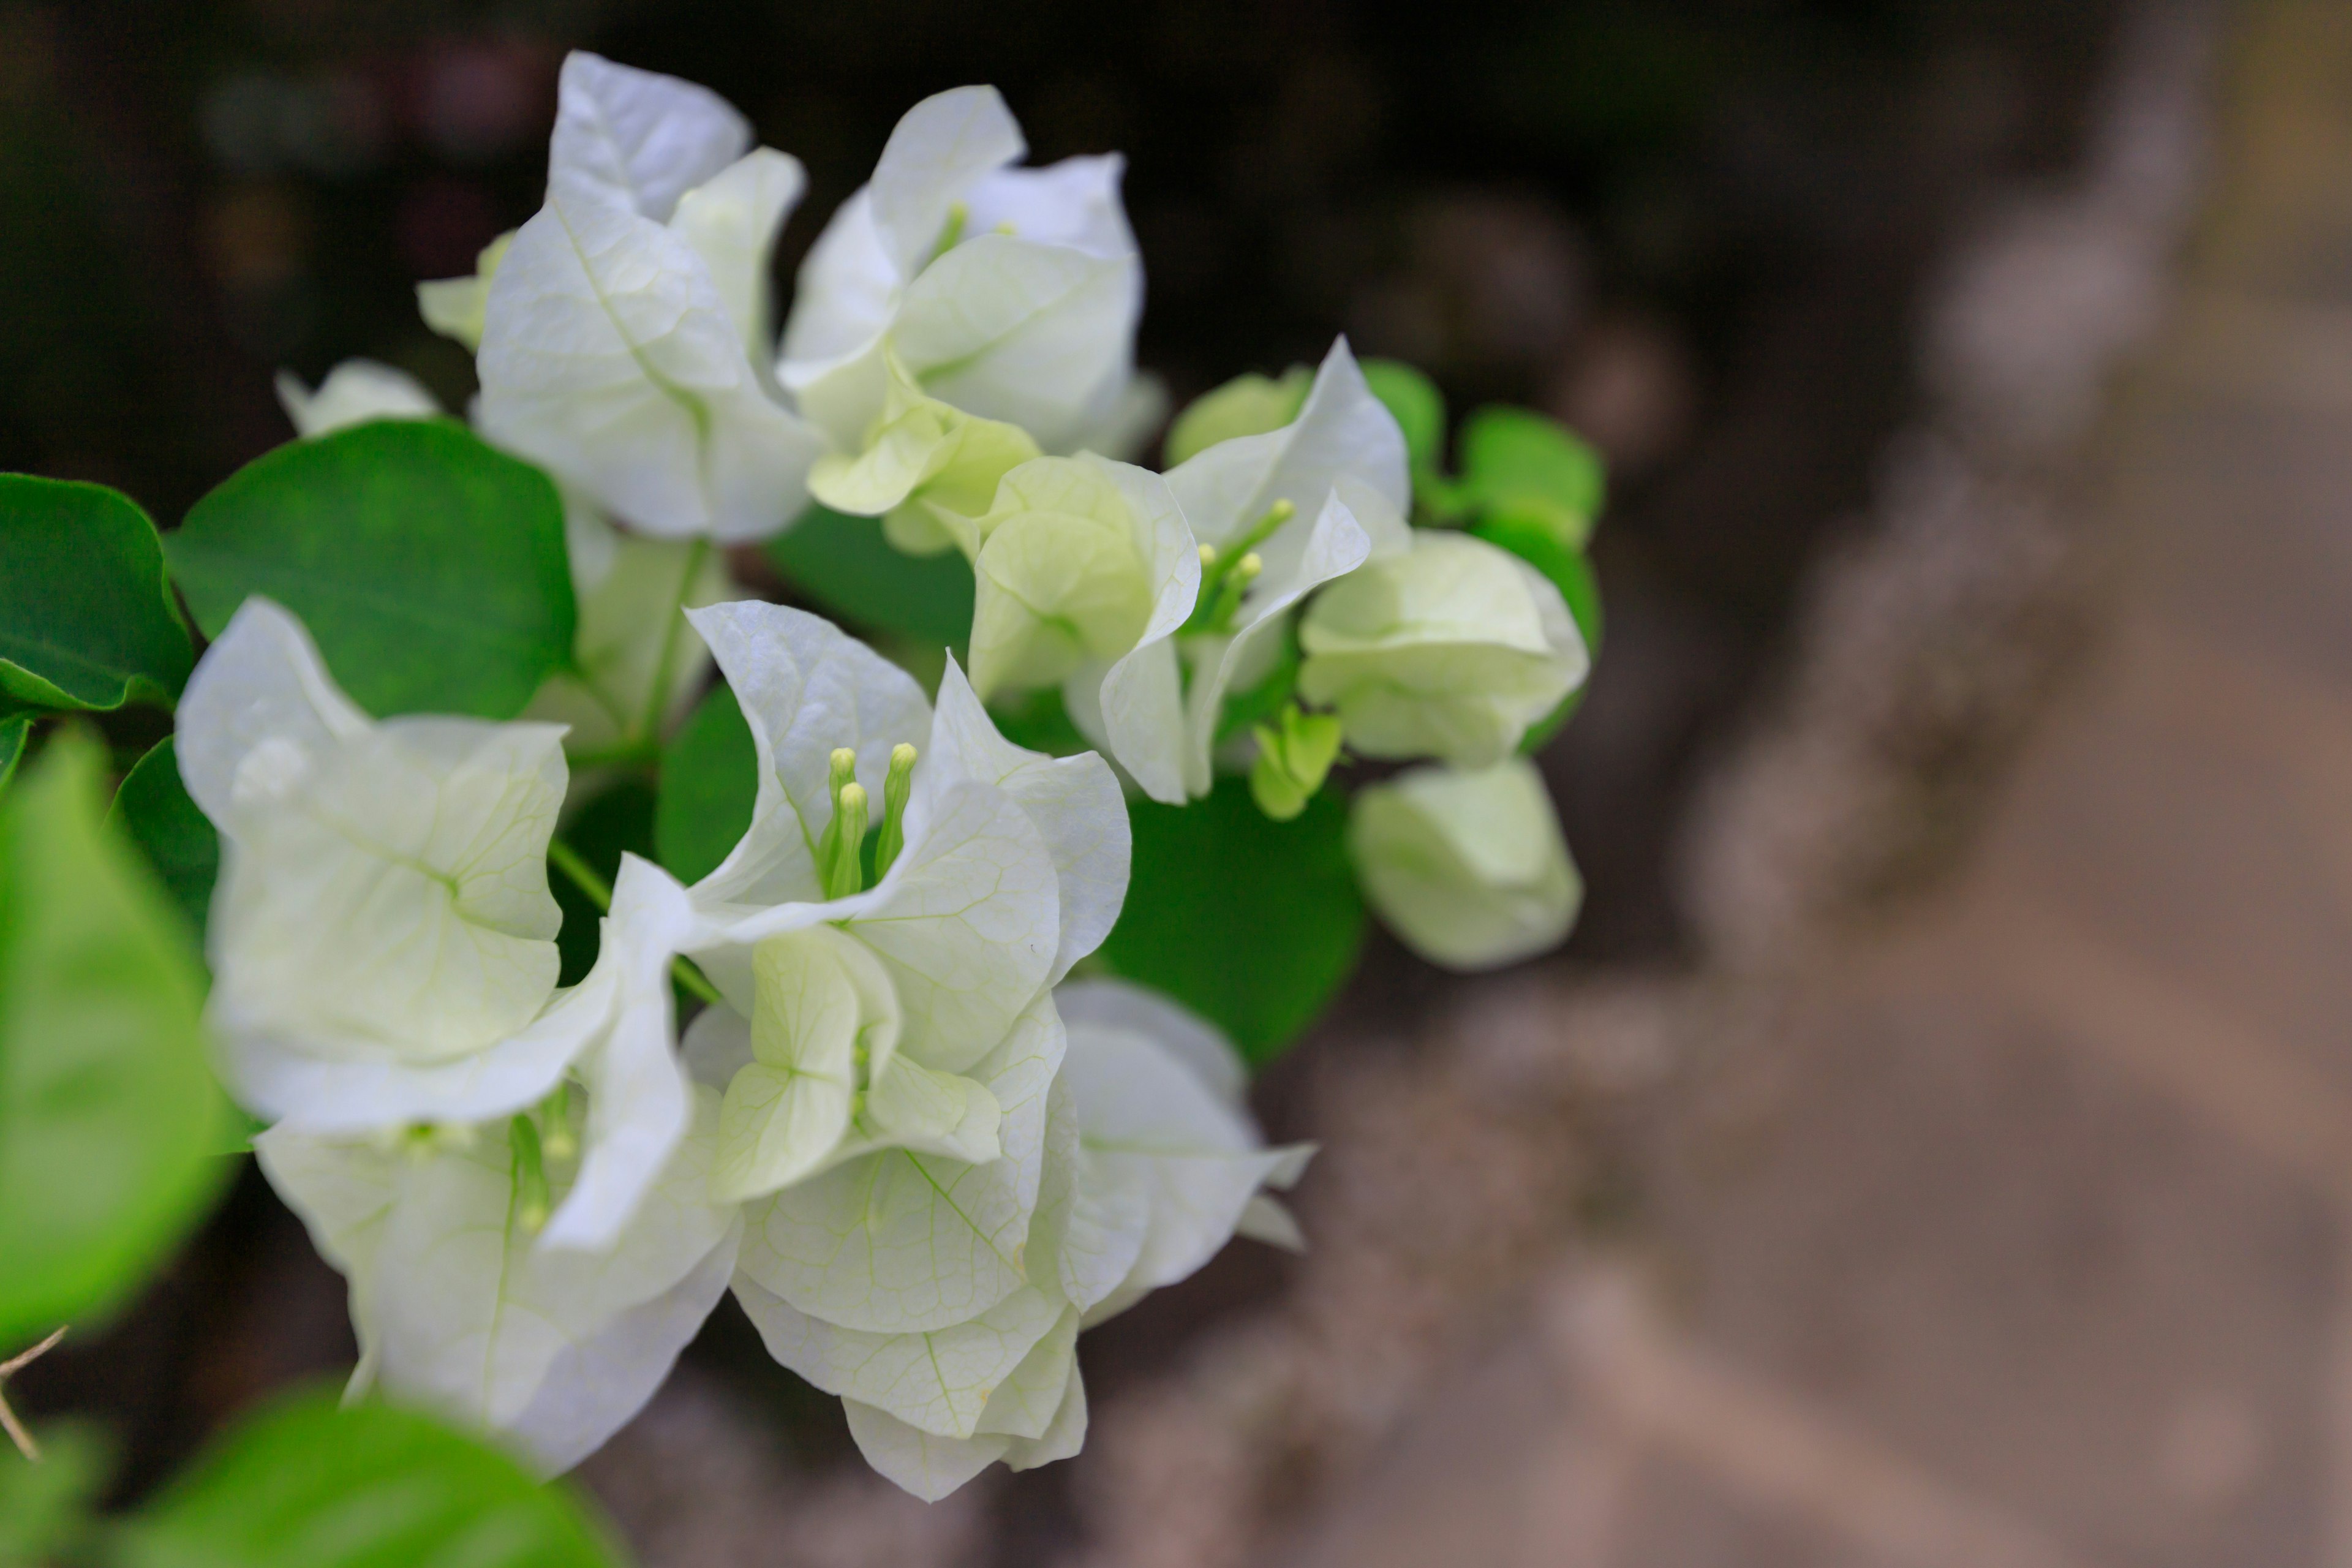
x=883, y=1052
x=1450, y=649
x=461, y=1309
x=1468, y=868
x=354, y=391
x=1150, y=1165
x=928, y=472
x=1010, y=293
x=624, y=343
x=383, y=936
x=630, y=638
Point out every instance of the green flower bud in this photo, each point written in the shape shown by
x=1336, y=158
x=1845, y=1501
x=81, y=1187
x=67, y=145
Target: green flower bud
x=1449, y=649
x=1468, y=867
x=1295, y=755
x=929, y=470
x=1069, y=564
x=1246, y=406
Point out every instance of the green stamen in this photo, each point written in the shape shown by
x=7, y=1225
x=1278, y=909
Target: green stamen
x=554, y=1113
x=530, y=1173
x=845, y=875
x=841, y=769
x=897, y=788
x=950, y=232
x=1226, y=573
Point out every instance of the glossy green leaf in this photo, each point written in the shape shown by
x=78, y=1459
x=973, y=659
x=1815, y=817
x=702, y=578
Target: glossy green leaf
x=1251, y=923
x=15, y=730
x=86, y=620
x=711, y=777
x=48, y=1509
x=845, y=569
x=429, y=568
x=305, y=1485
x=1513, y=460
x=107, y=1107
x=1419, y=408
x=153, y=807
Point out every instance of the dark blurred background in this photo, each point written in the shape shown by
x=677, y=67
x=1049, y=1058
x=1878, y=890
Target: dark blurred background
x=1694, y=231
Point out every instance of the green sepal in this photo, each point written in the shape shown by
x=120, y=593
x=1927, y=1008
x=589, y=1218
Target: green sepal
x=1295, y=755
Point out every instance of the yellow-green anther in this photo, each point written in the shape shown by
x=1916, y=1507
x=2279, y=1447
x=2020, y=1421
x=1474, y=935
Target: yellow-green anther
x=841, y=768
x=1217, y=614
x=897, y=787
x=554, y=1114
x=845, y=875
x=1277, y=514
x=531, y=1205
x=1227, y=574
x=950, y=232
x=1208, y=556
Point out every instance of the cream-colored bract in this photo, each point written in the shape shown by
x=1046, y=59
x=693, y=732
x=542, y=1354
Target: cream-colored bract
x=1010, y=293
x=355, y=392
x=1468, y=866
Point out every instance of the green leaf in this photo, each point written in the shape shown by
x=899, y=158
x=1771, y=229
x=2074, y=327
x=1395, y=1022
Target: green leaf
x=153, y=807
x=1419, y=408
x=14, y=730
x=844, y=567
x=305, y=1485
x=1518, y=461
x=1254, y=924
x=619, y=819
x=430, y=569
x=709, y=778
x=86, y=620
x=106, y=1107
x=46, y=1510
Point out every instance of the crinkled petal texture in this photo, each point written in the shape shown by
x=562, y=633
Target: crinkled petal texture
x=462, y=1311
x=1468, y=866
x=381, y=939
x=1342, y=431
x=647, y=139
x=1450, y=649
x=1010, y=294
x=355, y=392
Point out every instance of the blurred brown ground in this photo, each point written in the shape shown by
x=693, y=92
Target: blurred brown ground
x=2012, y=1231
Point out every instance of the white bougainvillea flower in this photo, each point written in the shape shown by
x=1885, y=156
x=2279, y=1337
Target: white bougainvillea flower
x=1468, y=866
x=625, y=337
x=381, y=936
x=929, y=471
x=1450, y=649
x=1010, y=293
x=462, y=1309
x=885, y=1056
x=355, y=392
x=1150, y=1165
x=637, y=665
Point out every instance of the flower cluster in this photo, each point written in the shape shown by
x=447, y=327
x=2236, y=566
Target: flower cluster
x=918, y=1177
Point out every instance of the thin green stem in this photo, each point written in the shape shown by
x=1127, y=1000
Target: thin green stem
x=567, y=859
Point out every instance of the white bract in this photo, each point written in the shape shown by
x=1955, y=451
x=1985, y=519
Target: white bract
x=459, y=1306
x=355, y=392
x=1450, y=649
x=1010, y=293
x=1150, y=1166
x=1468, y=866
x=382, y=937
x=625, y=339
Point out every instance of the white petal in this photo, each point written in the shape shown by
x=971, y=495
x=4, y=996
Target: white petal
x=843, y=301
x=941, y=1381
x=805, y=687
x=1075, y=203
x=1175, y=1029
x=1469, y=868
x=639, y=1099
x=1090, y=1224
x=897, y=1242
x=262, y=679
x=1341, y=430
x=609, y=355
x=930, y=1466
x=354, y=391
x=1037, y=335
x=938, y=147
x=646, y=138
x=731, y=222
x=716, y=1047
x=1074, y=801
x=627, y=623
x=1335, y=546
x=1140, y=695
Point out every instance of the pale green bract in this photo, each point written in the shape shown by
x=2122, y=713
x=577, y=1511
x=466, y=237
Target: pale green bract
x=1149, y=1165
x=1249, y=404
x=929, y=469
x=455, y=307
x=382, y=937
x=1469, y=868
x=354, y=391
x=1450, y=649
x=1010, y=293
x=461, y=1309
x=624, y=341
